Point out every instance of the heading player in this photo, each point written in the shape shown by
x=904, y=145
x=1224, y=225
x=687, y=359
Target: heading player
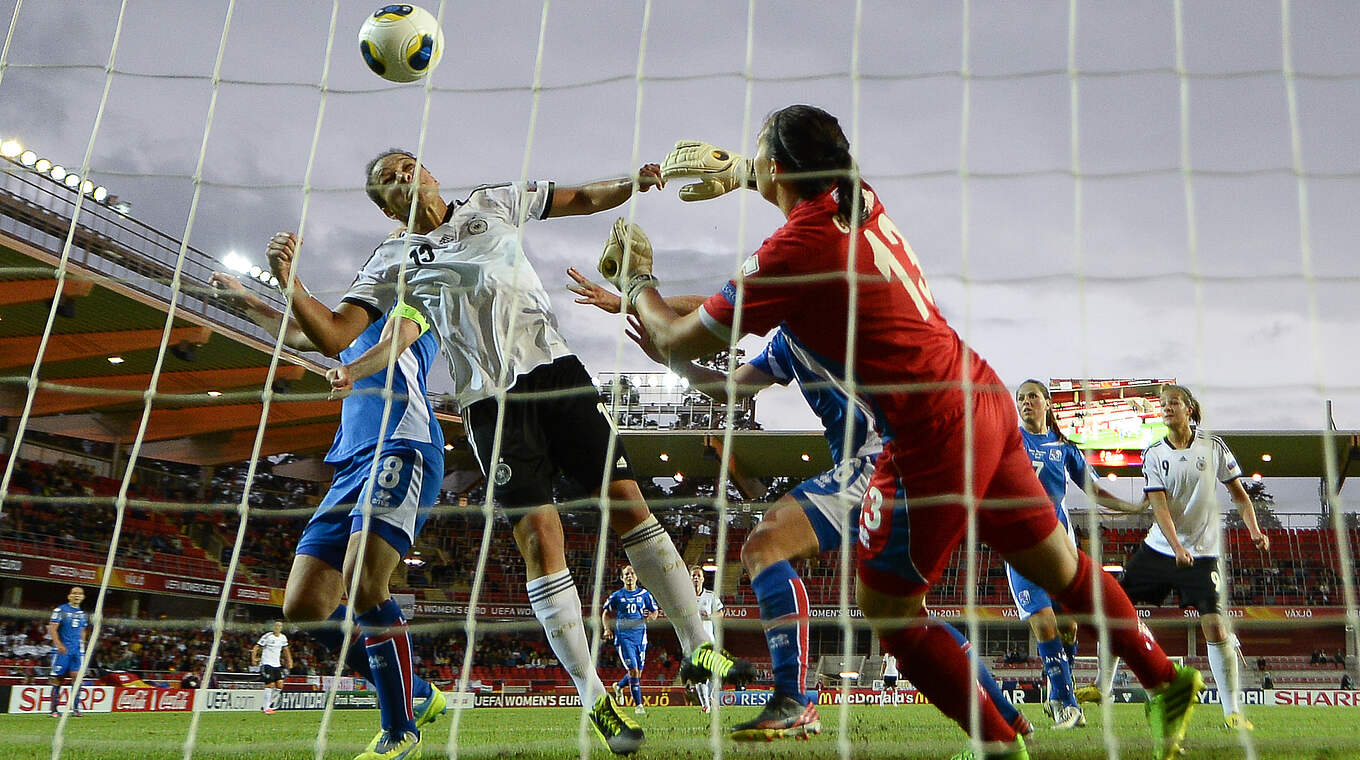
x=402, y=493
x=466, y=272
x=272, y=654
x=1183, y=546
x=631, y=607
x=69, y=629
x=1055, y=459
x=948, y=419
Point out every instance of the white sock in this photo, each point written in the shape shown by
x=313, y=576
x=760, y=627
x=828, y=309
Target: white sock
x=557, y=605
x=660, y=568
x=701, y=689
x=1223, y=662
x=1106, y=678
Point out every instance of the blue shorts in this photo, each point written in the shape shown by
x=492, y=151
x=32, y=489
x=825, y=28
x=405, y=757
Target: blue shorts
x=829, y=508
x=1029, y=596
x=406, y=487
x=62, y=664
x=632, y=650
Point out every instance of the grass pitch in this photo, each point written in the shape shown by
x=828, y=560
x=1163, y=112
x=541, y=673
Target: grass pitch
x=673, y=733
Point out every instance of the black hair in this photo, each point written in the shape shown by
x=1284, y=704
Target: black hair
x=807, y=140
x=369, y=187
x=1049, y=418
x=1190, y=400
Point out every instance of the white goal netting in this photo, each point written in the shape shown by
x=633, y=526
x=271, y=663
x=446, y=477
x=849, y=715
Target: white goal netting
x=1093, y=191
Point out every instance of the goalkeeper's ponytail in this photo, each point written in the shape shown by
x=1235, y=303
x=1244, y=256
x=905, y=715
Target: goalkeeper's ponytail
x=809, y=143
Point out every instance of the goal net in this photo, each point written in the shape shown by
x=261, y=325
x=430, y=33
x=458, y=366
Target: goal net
x=1091, y=191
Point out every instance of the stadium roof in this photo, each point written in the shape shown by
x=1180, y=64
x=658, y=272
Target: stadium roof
x=115, y=301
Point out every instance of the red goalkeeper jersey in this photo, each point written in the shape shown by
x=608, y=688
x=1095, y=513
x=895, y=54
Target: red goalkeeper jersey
x=908, y=361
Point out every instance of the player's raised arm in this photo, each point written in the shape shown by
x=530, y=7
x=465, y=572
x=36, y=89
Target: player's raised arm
x=330, y=331
x=718, y=171
x=404, y=328
x=226, y=287
x=627, y=263
x=600, y=196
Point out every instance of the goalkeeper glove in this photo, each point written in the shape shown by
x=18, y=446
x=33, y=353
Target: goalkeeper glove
x=719, y=171
x=627, y=237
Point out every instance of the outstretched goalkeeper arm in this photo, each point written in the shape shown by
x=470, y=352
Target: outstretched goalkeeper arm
x=719, y=171
x=748, y=379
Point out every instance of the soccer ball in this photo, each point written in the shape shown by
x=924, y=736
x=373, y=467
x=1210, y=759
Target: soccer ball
x=401, y=42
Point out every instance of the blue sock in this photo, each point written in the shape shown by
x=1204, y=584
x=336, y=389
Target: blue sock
x=1058, y=671
x=636, y=685
x=357, y=659
x=624, y=681
x=1070, y=649
x=784, y=612
x=389, y=659
x=1003, y=705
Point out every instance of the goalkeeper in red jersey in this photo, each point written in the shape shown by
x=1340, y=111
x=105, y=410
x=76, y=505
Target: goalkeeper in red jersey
x=947, y=420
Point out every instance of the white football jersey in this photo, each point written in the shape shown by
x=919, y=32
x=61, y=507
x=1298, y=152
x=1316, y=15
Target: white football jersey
x=708, y=605
x=271, y=647
x=1190, y=479
x=890, y=666
x=470, y=278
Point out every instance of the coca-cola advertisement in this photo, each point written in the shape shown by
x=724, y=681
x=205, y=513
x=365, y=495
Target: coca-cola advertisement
x=153, y=700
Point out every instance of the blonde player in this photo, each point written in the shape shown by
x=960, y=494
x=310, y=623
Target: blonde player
x=1182, y=548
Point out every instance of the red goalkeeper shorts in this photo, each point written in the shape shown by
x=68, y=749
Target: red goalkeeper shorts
x=915, y=512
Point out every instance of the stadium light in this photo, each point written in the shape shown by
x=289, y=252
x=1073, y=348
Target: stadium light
x=87, y=187
x=71, y=180
x=664, y=457
x=1113, y=568
x=709, y=567
x=42, y=165
x=806, y=457
x=448, y=447
x=1112, y=476
x=11, y=148
x=100, y=193
x=1256, y=476
x=115, y=360
x=679, y=477
x=236, y=262
x=1266, y=457
x=28, y=158
x=214, y=394
x=57, y=172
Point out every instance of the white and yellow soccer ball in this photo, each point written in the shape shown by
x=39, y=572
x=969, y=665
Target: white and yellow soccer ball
x=401, y=42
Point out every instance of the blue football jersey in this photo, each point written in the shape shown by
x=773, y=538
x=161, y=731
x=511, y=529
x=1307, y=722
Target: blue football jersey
x=412, y=417
x=71, y=621
x=1054, y=461
x=630, y=608
x=785, y=359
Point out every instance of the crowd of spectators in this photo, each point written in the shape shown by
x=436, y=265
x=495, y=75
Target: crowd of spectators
x=1298, y=571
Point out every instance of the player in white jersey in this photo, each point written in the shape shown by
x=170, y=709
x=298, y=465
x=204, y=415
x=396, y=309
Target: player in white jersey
x=462, y=265
x=710, y=608
x=1182, y=548
x=272, y=655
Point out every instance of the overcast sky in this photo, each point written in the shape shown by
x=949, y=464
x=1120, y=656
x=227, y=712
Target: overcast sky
x=1130, y=268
